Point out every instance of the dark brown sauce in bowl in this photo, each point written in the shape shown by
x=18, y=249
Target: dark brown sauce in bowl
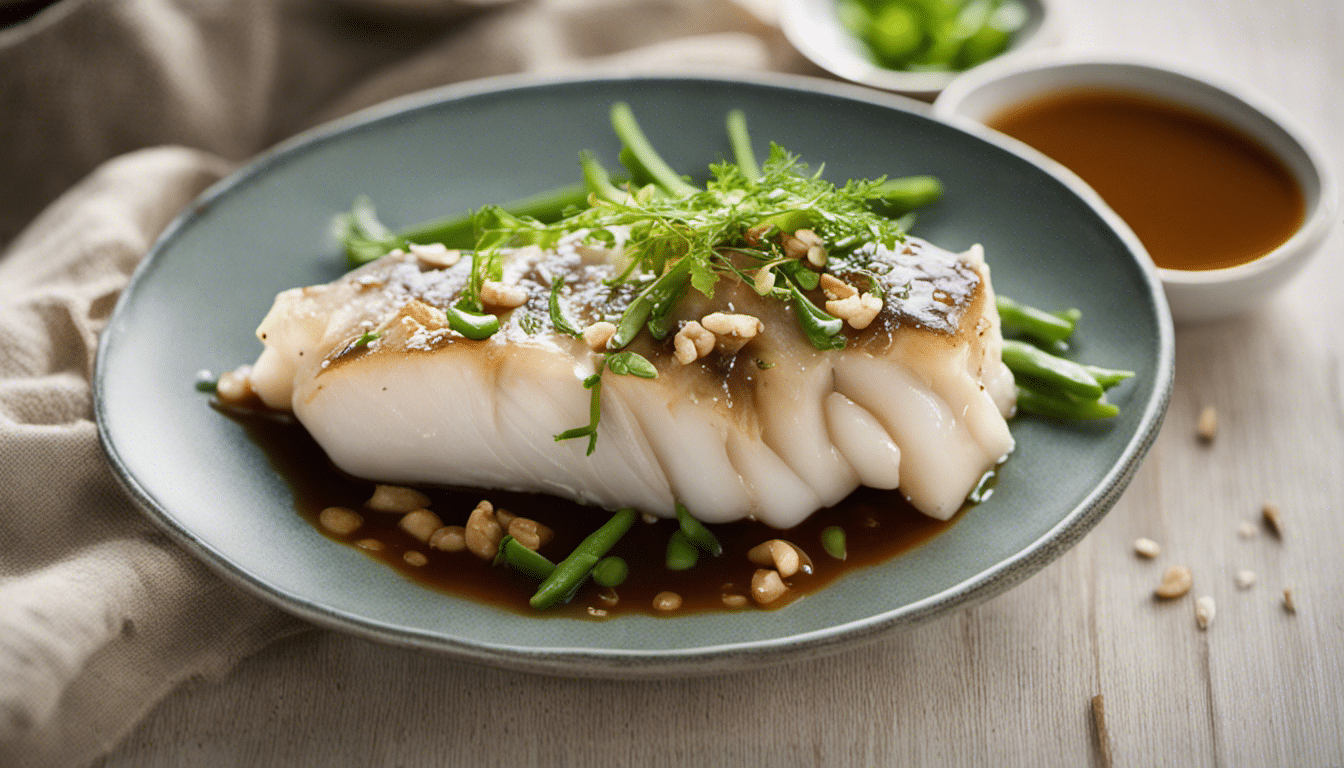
x=1199, y=194
x=878, y=525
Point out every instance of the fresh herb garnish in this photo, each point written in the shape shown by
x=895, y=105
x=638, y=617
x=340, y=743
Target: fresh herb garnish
x=621, y=363
x=363, y=341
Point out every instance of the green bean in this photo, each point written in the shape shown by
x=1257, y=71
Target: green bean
x=1046, y=327
x=473, y=325
x=597, y=180
x=522, y=559
x=457, y=231
x=681, y=553
x=821, y=329
x=833, y=541
x=1107, y=377
x=696, y=532
x=610, y=571
x=1060, y=405
x=661, y=295
x=570, y=573
x=1065, y=375
x=741, y=141
x=627, y=128
x=902, y=195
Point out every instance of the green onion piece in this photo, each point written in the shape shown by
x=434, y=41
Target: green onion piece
x=627, y=128
x=365, y=237
x=696, y=532
x=475, y=326
x=741, y=141
x=206, y=382
x=681, y=553
x=593, y=383
x=631, y=364
x=570, y=573
x=1025, y=360
x=558, y=319
x=364, y=340
x=522, y=559
x=661, y=295
x=610, y=571
x=833, y=541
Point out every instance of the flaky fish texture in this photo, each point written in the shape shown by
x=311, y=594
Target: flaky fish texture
x=775, y=431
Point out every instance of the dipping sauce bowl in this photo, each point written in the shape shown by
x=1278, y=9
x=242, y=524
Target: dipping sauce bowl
x=1229, y=197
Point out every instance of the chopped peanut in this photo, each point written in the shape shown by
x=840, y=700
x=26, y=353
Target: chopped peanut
x=450, y=538
x=666, y=601
x=435, y=255
x=692, y=342
x=373, y=545
x=835, y=288
x=415, y=558
x=732, y=331
x=530, y=533
x=1176, y=581
x=734, y=601
x=858, y=311
x=598, y=334
x=1147, y=548
x=420, y=523
x=778, y=553
x=767, y=586
x=765, y=280
x=1208, y=424
x=498, y=294
x=504, y=517
x=339, y=520
x=483, y=531
x=1204, y=611
x=396, y=499
x=805, y=243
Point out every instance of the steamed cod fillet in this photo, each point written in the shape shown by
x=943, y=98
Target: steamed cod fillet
x=915, y=401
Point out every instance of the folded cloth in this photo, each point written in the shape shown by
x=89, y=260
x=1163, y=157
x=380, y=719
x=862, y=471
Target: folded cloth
x=100, y=616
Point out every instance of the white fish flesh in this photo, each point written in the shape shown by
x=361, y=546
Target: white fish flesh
x=915, y=401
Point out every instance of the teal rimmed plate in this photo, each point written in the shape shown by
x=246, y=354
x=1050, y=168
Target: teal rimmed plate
x=196, y=300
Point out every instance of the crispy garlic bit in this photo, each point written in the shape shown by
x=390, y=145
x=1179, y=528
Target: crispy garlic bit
x=598, y=334
x=503, y=295
x=692, y=342
x=732, y=331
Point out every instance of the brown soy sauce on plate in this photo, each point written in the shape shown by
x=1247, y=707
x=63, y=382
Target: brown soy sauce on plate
x=878, y=525
x=1199, y=194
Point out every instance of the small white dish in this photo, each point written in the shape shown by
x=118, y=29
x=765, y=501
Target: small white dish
x=813, y=27
x=1194, y=295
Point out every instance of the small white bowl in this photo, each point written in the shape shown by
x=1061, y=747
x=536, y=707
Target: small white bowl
x=813, y=27
x=1194, y=295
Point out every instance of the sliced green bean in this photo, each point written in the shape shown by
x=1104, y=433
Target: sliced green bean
x=1107, y=377
x=1031, y=362
x=610, y=571
x=696, y=532
x=627, y=128
x=1060, y=405
x=522, y=559
x=681, y=553
x=741, y=141
x=473, y=325
x=597, y=180
x=902, y=195
x=661, y=295
x=457, y=231
x=570, y=573
x=833, y=541
x=1046, y=327
x=820, y=328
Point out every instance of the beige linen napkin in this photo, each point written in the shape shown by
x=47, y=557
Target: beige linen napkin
x=101, y=616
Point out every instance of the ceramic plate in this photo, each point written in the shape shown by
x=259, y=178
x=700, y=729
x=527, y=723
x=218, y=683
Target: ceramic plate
x=196, y=301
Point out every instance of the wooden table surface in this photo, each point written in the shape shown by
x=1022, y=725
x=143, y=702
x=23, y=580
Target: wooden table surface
x=1010, y=682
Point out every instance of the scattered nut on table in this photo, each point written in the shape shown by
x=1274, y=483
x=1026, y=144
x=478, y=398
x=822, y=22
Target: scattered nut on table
x=1147, y=548
x=1270, y=512
x=1204, y=611
x=1208, y=424
x=1176, y=581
